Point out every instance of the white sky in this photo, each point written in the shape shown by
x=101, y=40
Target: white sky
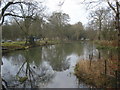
x=75, y=10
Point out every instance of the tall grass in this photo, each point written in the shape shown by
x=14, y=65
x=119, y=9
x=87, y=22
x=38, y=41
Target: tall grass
x=94, y=74
x=107, y=43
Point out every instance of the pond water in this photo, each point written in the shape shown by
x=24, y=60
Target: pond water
x=46, y=67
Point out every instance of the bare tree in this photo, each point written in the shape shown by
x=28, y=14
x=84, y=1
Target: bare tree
x=25, y=10
x=97, y=17
x=114, y=5
x=4, y=9
x=10, y=9
x=30, y=12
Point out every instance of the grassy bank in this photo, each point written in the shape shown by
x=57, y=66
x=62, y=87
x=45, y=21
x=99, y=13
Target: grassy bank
x=20, y=45
x=97, y=75
x=105, y=44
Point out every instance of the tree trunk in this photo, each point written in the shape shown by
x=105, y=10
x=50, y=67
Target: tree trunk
x=118, y=29
x=31, y=40
x=100, y=23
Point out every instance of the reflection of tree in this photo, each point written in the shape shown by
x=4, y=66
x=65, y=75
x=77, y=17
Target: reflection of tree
x=32, y=70
x=76, y=48
x=32, y=67
x=57, y=54
x=56, y=57
x=33, y=55
x=29, y=76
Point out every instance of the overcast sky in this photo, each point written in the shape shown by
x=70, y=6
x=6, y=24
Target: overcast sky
x=76, y=11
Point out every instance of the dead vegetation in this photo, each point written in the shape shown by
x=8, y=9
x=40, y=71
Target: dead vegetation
x=97, y=74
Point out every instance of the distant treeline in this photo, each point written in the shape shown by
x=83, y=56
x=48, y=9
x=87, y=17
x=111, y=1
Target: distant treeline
x=101, y=26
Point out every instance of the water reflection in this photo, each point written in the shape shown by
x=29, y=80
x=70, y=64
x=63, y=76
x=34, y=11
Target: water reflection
x=56, y=56
x=46, y=66
x=26, y=68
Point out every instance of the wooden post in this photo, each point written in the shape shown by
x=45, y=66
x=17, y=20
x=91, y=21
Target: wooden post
x=105, y=67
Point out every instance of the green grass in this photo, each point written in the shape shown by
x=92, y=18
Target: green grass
x=106, y=47
x=20, y=45
x=112, y=45
x=12, y=46
x=13, y=43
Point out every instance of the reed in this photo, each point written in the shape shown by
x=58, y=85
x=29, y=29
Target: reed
x=97, y=74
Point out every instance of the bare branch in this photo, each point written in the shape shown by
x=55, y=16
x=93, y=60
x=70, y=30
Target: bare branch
x=9, y=14
x=111, y=6
x=30, y=11
x=20, y=26
x=7, y=5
